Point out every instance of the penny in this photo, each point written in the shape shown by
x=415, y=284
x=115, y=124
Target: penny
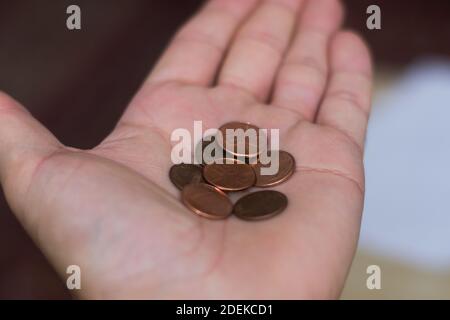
x=260, y=205
x=286, y=167
x=207, y=201
x=182, y=175
x=230, y=177
x=247, y=147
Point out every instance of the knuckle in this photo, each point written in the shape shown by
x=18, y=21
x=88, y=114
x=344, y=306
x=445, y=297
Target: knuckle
x=349, y=96
x=313, y=64
x=264, y=38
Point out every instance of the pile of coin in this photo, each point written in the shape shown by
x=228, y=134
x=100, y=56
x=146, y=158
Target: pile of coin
x=205, y=189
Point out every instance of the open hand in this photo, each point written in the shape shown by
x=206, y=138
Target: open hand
x=112, y=210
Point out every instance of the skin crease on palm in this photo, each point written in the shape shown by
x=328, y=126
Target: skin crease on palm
x=112, y=210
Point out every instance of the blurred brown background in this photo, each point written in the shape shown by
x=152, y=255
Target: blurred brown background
x=78, y=82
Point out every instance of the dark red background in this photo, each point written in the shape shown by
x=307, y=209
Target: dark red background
x=78, y=82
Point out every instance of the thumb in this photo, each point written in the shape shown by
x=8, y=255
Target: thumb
x=24, y=143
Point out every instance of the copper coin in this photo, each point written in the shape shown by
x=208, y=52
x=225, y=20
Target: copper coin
x=230, y=177
x=246, y=147
x=260, y=205
x=207, y=201
x=286, y=167
x=183, y=174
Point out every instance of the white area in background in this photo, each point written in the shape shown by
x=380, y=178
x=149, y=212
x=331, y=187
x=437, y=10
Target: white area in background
x=407, y=209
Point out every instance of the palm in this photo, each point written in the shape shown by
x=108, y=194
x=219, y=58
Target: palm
x=113, y=211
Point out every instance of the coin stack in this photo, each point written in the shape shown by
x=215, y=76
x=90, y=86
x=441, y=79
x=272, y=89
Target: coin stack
x=205, y=189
